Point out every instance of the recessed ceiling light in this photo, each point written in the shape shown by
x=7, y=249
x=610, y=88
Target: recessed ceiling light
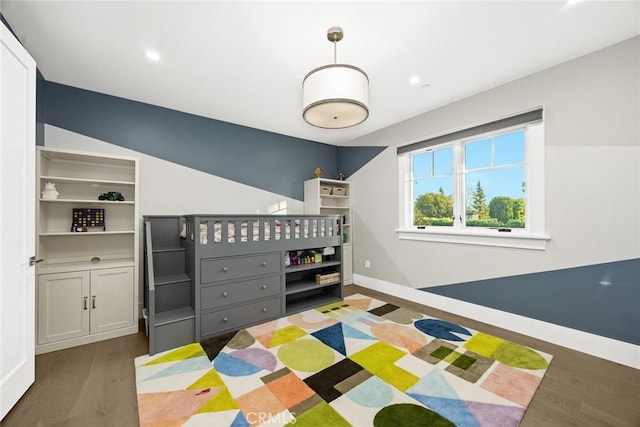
x=414, y=80
x=152, y=55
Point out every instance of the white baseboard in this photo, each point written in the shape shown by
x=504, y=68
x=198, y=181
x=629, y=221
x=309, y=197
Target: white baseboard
x=595, y=345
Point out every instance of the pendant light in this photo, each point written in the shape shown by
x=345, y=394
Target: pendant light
x=335, y=96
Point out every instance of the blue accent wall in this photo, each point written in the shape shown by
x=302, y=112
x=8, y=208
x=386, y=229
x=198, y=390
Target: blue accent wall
x=350, y=159
x=603, y=299
x=261, y=159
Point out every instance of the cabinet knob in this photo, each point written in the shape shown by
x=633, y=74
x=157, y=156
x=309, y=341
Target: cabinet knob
x=264, y=309
x=264, y=263
x=225, y=268
x=225, y=294
x=224, y=319
x=264, y=286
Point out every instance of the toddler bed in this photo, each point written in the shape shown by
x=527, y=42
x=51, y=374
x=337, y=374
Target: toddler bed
x=226, y=272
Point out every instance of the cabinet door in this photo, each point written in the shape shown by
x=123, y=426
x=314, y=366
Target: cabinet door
x=111, y=299
x=63, y=306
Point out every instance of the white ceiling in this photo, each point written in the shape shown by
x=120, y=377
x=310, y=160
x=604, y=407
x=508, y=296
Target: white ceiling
x=243, y=62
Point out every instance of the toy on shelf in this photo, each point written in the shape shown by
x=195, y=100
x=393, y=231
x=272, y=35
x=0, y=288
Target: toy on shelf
x=50, y=192
x=112, y=196
x=84, y=218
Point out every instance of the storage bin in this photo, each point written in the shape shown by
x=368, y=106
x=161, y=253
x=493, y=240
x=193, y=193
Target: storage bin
x=339, y=191
x=325, y=190
x=323, y=279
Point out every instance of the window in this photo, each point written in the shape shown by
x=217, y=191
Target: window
x=483, y=185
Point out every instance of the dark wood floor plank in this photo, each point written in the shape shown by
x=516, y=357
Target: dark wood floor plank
x=94, y=385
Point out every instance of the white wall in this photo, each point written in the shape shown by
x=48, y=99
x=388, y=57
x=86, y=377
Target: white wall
x=592, y=136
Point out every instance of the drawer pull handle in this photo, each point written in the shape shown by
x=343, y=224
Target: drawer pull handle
x=225, y=294
x=225, y=319
x=264, y=309
x=93, y=302
x=264, y=286
x=264, y=263
x=85, y=302
x=225, y=268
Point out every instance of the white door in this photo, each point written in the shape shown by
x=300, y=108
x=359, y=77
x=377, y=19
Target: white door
x=17, y=220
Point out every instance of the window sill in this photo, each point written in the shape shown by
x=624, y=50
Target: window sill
x=480, y=237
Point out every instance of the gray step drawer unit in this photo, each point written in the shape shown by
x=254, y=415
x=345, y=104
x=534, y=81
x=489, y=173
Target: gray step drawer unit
x=228, y=272
x=169, y=304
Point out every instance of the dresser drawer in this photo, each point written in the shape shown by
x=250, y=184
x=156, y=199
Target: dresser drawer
x=239, y=317
x=246, y=290
x=216, y=269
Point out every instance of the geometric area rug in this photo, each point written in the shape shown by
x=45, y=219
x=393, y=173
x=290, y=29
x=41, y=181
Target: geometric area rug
x=358, y=362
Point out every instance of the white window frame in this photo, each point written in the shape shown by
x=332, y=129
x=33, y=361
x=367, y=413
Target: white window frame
x=533, y=236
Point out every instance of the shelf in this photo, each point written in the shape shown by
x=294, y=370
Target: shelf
x=312, y=266
x=306, y=285
x=172, y=316
x=87, y=181
x=168, y=280
x=316, y=300
x=333, y=196
x=105, y=202
x=334, y=207
x=84, y=233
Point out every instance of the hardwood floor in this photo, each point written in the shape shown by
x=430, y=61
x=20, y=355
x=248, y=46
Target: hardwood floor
x=94, y=385
x=87, y=386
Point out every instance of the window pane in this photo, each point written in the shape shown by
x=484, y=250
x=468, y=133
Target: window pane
x=495, y=198
x=443, y=161
x=433, y=195
x=509, y=148
x=477, y=154
x=433, y=202
x=422, y=165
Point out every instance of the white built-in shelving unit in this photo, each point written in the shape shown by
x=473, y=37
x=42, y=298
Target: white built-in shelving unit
x=87, y=281
x=323, y=196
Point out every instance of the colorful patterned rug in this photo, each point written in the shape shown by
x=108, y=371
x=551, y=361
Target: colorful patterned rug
x=360, y=362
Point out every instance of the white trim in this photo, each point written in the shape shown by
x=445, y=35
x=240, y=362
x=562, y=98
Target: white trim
x=476, y=237
x=87, y=339
x=616, y=351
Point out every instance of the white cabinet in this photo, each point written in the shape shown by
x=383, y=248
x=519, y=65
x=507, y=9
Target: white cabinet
x=94, y=261
x=80, y=303
x=323, y=196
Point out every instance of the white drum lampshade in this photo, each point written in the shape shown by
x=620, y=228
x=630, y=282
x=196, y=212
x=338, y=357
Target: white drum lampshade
x=335, y=96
